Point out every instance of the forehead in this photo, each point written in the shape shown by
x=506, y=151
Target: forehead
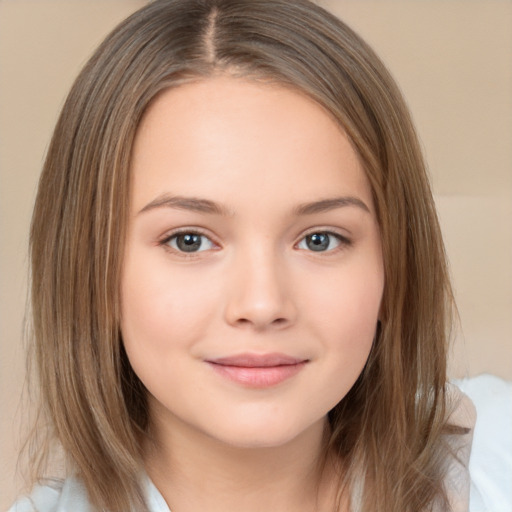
x=224, y=135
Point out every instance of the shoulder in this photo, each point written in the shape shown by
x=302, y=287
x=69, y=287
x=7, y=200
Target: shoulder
x=461, y=410
x=461, y=417
x=491, y=454
x=54, y=496
x=462, y=414
x=70, y=495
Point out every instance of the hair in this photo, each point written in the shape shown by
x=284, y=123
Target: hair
x=94, y=404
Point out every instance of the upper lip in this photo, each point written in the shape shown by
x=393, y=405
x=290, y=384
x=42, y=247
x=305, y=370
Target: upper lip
x=257, y=360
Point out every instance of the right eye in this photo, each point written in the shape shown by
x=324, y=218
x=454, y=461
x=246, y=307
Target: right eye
x=188, y=242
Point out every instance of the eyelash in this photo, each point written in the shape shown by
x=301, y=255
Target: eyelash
x=165, y=242
x=343, y=241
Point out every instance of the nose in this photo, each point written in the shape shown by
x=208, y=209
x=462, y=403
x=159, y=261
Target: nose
x=259, y=293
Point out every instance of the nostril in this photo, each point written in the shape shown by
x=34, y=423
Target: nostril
x=277, y=322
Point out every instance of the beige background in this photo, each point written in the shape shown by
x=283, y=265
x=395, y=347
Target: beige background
x=453, y=60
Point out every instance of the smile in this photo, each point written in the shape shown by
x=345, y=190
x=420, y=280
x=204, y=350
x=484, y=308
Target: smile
x=257, y=371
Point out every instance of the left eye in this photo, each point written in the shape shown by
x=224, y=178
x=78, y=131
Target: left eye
x=189, y=242
x=321, y=242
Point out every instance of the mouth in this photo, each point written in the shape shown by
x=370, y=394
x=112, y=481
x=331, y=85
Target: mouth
x=258, y=370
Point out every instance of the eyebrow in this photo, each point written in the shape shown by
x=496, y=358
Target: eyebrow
x=194, y=204
x=325, y=205
x=201, y=205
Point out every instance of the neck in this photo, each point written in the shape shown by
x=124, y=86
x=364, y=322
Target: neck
x=195, y=472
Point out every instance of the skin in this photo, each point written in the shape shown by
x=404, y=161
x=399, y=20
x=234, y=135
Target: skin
x=254, y=286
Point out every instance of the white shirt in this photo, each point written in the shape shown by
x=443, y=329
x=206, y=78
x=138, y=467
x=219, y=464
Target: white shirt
x=70, y=495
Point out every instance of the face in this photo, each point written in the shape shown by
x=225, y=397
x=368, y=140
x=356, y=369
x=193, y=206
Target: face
x=253, y=273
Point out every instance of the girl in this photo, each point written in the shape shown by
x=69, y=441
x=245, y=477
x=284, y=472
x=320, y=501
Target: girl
x=239, y=288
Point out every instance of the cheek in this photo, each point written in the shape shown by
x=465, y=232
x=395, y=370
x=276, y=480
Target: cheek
x=351, y=334
x=349, y=302
x=345, y=318
x=161, y=312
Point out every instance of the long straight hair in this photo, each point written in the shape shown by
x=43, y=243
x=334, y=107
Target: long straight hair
x=93, y=402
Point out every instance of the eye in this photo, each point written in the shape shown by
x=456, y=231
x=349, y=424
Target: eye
x=322, y=241
x=188, y=242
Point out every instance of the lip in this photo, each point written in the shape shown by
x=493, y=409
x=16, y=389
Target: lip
x=257, y=370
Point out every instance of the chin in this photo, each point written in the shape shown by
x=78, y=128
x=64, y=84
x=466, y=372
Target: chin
x=269, y=435
x=251, y=443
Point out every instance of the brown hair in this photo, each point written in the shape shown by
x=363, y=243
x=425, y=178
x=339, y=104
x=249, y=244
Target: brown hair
x=94, y=402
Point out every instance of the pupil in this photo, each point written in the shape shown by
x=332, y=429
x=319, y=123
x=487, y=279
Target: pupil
x=188, y=243
x=317, y=241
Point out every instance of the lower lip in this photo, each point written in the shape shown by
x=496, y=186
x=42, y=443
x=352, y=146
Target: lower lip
x=258, y=377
